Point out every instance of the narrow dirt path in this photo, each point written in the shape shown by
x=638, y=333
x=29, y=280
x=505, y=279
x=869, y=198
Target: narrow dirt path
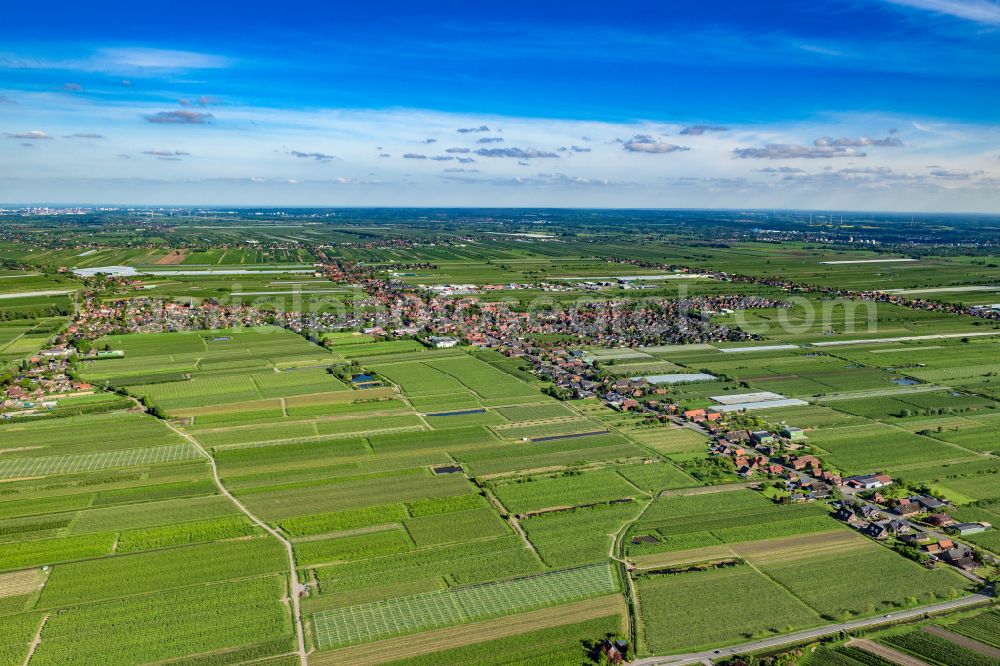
x=895, y=656
x=617, y=553
x=35, y=641
x=295, y=588
x=958, y=639
x=512, y=520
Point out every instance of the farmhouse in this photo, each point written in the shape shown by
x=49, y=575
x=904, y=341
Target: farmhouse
x=958, y=557
x=906, y=507
x=442, y=342
x=940, y=520
x=899, y=527
x=614, y=651
x=877, y=531
x=844, y=512
x=736, y=436
x=917, y=538
x=869, y=512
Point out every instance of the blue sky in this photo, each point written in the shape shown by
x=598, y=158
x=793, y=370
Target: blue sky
x=861, y=104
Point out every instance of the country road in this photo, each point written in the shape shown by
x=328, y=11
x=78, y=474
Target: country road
x=810, y=634
x=295, y=588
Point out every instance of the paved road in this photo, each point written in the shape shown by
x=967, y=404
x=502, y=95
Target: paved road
x=810, y=634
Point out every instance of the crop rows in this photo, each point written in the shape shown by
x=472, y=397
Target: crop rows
x=568, y=538
x=372, y=621
x=936, y=650
x=198, y=531
x=85, y=462
x=470, y=562
x=537, y=493
x=846, y=655
x=452, y=527
x=359, y=547
x=157, y=570
x=891, y=582
x=166, y=625
x=691, y=611
x=984, y=628
x=116, y=430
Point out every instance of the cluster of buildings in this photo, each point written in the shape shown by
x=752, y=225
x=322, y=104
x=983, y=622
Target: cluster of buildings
x=778, y=455
x=98, y=317
x=916, y=522
x=39, y=382
x=876, y=296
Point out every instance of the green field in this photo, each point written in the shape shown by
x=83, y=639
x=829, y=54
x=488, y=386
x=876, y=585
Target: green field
x=688, y=612
x=483, y=503
x=366, y=622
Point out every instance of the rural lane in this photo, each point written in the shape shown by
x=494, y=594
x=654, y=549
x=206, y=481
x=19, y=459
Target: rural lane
x=296, y=587
x=809, y=634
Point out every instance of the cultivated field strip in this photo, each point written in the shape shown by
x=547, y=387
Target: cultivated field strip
x=413, y=645
x=88, y=462
x=372, y=621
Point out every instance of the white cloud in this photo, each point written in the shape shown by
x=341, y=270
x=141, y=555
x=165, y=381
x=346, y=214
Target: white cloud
x=981, y=11
x=127, y=59
x=257, y=142
x=644, y=143
x=120, y=60
x=31, y=135
x=790, y=151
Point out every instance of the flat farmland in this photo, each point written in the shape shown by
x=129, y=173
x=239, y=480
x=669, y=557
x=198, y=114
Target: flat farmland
x=578, y=536
x=172, y=624
x=202, y=390
x=461, y=564
x=85, y=462
x=458, y=512
x=692, y=611
x=367, y=622
x=554, y=634
x=700, y=521
x=862, y=582
x=459, y=373
x=534, y=493
x=868, y=448
x=569, y=452
x=670, y=440
x=553, y=428
x=93, y=580
x=348, y=494
x=88, y=433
